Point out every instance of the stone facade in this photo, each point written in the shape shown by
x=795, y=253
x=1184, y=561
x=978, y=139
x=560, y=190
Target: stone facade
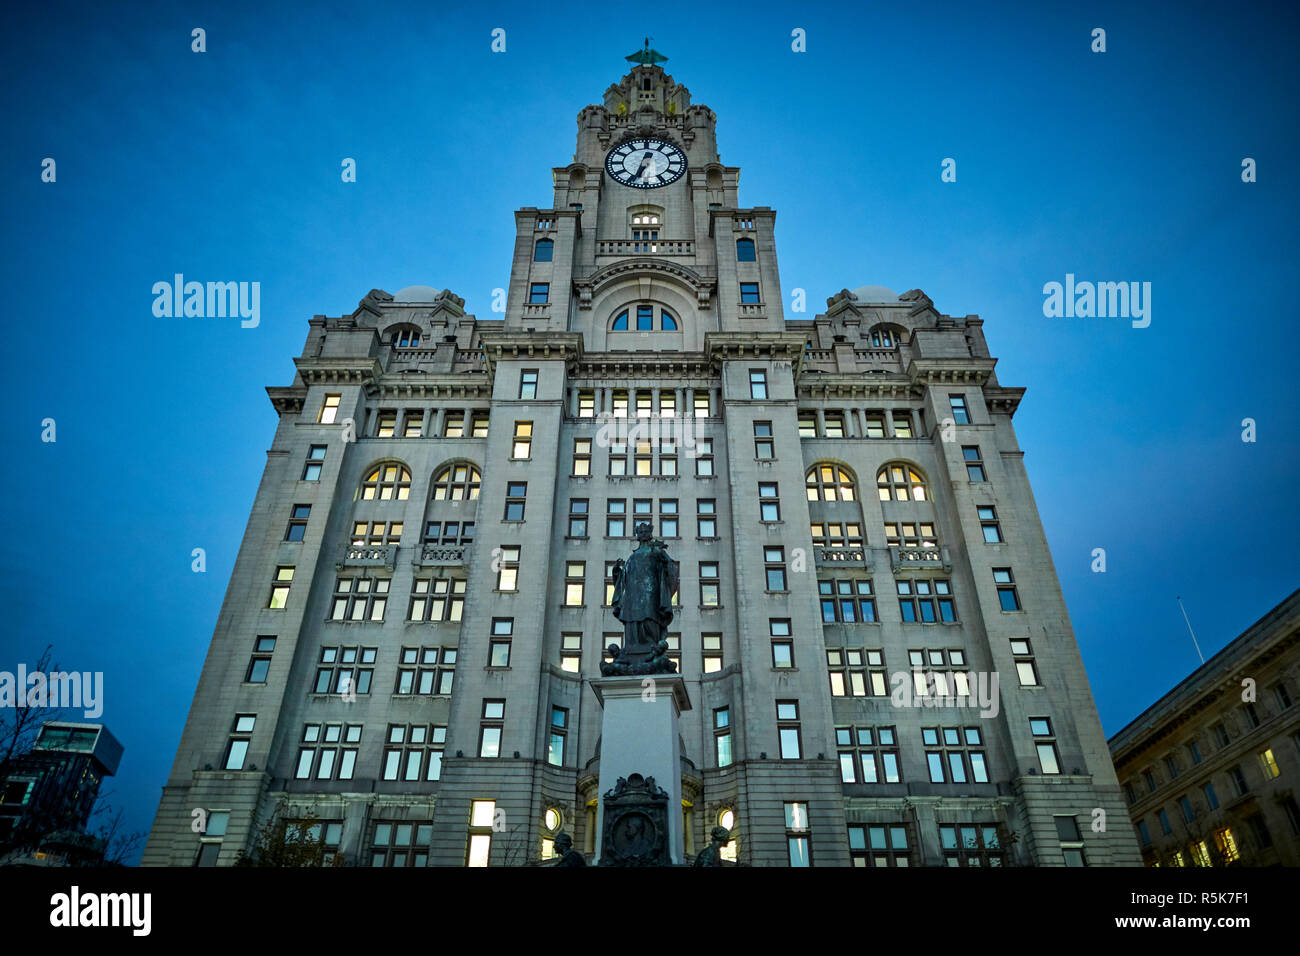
x=1210, y=770
x=849, y=451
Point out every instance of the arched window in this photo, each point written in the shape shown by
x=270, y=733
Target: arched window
x=899, y=481
x=388, y=481
x=644, y=318
x=886, y=336
x=404, y=337
x=727, y=818
x=827, y=482
x=544, y=251
x=745, y=251
x=459, y=481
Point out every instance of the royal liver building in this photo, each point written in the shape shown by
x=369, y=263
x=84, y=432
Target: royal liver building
x=878, y=665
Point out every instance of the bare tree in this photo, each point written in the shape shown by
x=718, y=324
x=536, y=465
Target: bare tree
x=20, y=724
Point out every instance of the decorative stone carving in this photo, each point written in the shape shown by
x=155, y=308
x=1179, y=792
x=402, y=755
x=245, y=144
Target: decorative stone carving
x=636, y=824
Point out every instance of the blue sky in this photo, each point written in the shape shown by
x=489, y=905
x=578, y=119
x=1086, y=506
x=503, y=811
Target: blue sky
x=225, y=165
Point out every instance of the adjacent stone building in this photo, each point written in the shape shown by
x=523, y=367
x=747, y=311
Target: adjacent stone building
x=1210, y=769
x=420, y=599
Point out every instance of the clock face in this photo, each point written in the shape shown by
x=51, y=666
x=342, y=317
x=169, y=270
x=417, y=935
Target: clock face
x=646, y=163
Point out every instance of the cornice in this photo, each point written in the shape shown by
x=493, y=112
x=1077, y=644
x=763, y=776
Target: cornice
x=615, y=365
x=950, y=371
x=287, y=399
x=342, y=370
x=516, y=343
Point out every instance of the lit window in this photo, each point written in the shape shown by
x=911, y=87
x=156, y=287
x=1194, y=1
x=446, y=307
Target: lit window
x=523, y=444
x=899, y=481
x=827, y=482
x=329, y=409
x=508, y=573
x=388, y=481
x=280, y=588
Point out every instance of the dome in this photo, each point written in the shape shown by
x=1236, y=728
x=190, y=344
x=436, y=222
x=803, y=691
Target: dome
x=416, y=293
x=872, y=293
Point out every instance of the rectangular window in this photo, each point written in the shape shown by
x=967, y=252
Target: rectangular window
x=329, y=409
x=453, y=423
x=787, y=715
x=769, y=502
x=508, y=573
x=571, y=652
x=280, y=588
x=722, y=735
x=1045, y=744
x=503, y=629
x=581, y=456
x=437, y=599
x=616, y=518
x=516, y=498
x=1268, y=763
x=706, y=513
x=668, y=518
x=240, y=739
x=386, y=423
x=875, y=424
x=539, y=293
x=559, y=732
x=1026, y=669
x=974, y=464
x=482, y=816
x=528, y=383
x=297, y=528
x=491, y=728
x=749, y=293
x=807, y=423
x=413, y=423
x=704, y=457
x=879, y=846
x=315, y=459
x=763, y=445
x=709, y=585
x=959, y=415
x=1008, y=598
x=523, y=445
x=774, y=568
x=578, y=517
x=757, y=383
x=702, y=400
x=712, y=651
x=902, y=424
x=989, y=524
x=574, y=578
x=479, y=423
x=834, y=424
x=260, y=663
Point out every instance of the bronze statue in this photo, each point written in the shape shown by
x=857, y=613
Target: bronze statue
x=711, y=855
x=565, y=854
x=643, y=601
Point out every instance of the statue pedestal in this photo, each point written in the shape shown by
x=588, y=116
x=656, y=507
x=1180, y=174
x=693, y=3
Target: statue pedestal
x=639, y=736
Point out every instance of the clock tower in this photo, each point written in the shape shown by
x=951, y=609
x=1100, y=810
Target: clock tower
x=645, y=230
